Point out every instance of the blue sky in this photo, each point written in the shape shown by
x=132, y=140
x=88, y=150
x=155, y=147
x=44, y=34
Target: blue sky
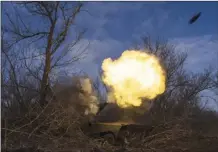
x=113, y=27
x=125, y=19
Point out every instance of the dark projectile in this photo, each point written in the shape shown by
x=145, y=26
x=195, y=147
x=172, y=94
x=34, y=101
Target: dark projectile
x=194, y=18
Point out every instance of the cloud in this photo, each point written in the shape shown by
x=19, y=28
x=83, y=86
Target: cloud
x=154, y=20
x=101, y=13
x=96, y=52
x=101, y=44
x=202, y=51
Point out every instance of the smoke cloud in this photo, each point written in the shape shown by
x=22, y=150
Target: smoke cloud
x=89, y=96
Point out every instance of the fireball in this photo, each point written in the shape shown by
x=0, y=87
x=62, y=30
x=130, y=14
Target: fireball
x=132, y=77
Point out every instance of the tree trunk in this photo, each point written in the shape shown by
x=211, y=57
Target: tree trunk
x=47, y=68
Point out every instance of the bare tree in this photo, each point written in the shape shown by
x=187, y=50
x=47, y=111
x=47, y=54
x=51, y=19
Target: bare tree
x=18, y=89
x=215, y=82
x=57, y=19
x=182, y=88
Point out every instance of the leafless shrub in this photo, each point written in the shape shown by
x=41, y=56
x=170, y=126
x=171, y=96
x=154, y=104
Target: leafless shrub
x=183, y=89
x=55, y=127
x=176, y=135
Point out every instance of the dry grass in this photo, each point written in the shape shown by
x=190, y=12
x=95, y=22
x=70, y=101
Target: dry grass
x=50, y=129
x=174, y=136
x=54, y=129
x=57, y=128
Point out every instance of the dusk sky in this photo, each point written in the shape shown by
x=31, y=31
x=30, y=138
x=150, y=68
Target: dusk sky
x=113, y=27
x=116, y=26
